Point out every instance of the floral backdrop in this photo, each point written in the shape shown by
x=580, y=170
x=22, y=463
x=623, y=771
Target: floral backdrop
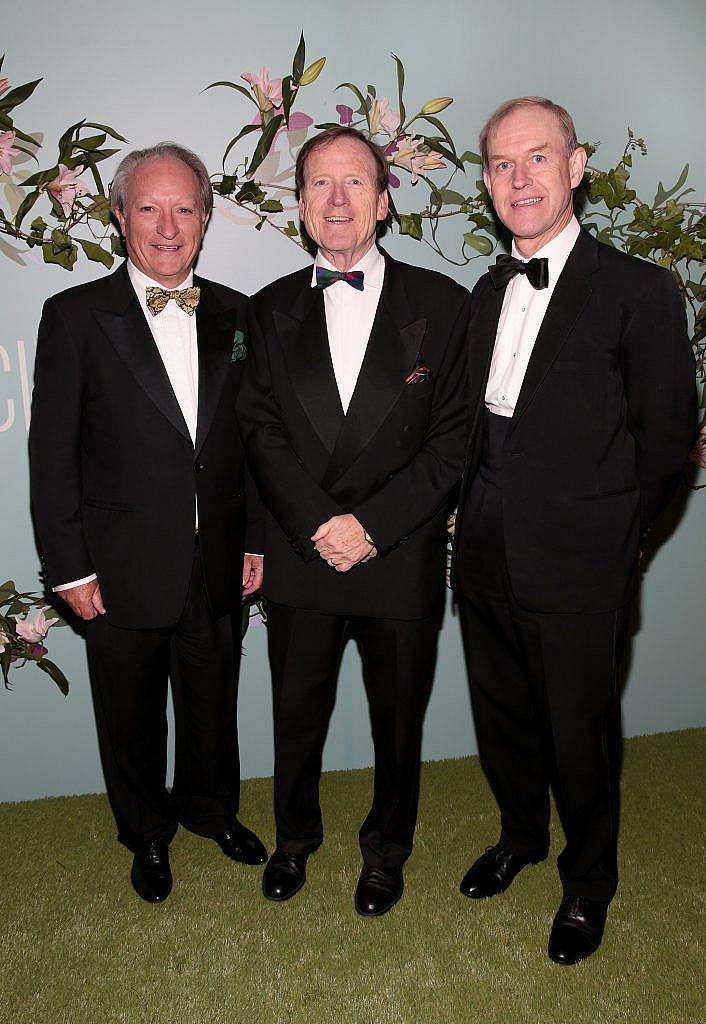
x=55, y=205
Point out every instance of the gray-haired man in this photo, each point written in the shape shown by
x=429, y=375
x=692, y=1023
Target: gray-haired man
x=138, y=492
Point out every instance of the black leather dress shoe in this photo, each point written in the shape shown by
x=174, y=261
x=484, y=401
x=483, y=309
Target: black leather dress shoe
x=151, y=876
x=239, y=843
x=493, y=872
x=378, y=890
x=284, y=876
x=577, y=930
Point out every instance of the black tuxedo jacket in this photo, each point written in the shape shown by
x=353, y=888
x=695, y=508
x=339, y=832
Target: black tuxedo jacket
x=603, y=424
x=114, y=472
x=391, y=460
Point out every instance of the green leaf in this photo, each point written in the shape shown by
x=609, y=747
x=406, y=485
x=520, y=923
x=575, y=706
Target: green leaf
x=40, y=178
x=470, y=158
x=105, y=128
x=452, y=198
x=117, y=246
x=411, y=224
x=288, y=95
x=92, y=142
x=66, y=140
x=38, y=226
x=400, y=86
x=241, y=134
x=265, y=143
x=14, y=97
x=291, y=230
x=25, y=206
x=250, y=193
x=5, y=662
x=480, y=243
x=298, y=62
x=66, y=258
x=60, y=240
x=449, y=141
x=436, y=145
x=271, y=206
x=664, y=194
x=56, y=674
x=97, y=253
x=233, y=85
x=100, y=210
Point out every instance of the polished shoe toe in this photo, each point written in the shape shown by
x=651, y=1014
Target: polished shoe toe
x=151, y=876
x=378, y=890
x=493, y=872
x=577, y=929
x=239, y=843
x=284, y=876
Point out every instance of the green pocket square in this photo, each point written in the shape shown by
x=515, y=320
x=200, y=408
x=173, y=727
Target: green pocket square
x=239, y=350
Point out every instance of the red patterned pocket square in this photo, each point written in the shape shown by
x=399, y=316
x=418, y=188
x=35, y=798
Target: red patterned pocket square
x=420, y=374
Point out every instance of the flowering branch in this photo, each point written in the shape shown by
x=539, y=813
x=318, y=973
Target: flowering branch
x=22, y=639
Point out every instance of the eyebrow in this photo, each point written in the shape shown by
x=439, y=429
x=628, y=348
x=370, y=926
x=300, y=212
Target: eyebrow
x=532, y=149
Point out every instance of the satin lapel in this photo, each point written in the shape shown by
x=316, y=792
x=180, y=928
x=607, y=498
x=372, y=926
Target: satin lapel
x=214, y=329
x=127, y=330
x=304, y=340
x=572, y=292
x=392, y=352
x=482, y=341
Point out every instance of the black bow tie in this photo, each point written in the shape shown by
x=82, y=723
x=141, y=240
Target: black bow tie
x=537, y=271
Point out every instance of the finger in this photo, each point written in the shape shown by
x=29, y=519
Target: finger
x=322, y=531
x=97, y=601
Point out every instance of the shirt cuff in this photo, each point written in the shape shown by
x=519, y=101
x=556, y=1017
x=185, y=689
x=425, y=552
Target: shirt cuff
x=76, y=583
x=253, y=554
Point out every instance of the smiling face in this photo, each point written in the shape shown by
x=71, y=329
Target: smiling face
x=162, y=223
x=340, y=204
x=530, y=176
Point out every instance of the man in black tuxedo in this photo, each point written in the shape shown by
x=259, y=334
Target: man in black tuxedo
x=352, y=411
x=138, y=489
x=584, y=408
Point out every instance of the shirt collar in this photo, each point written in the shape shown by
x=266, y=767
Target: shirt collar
x=141, y=282
x=557, y=250
x=372, y=264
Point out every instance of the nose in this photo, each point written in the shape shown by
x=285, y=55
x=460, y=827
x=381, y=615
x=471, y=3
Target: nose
x=338, y=195
x=167, y=226
x=520, y=175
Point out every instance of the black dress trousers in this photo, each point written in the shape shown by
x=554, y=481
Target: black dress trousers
x=129, y=671
x=545, y=695
x=398, y=656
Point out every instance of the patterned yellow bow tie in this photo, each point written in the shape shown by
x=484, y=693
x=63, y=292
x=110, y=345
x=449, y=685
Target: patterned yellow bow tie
x=186, y=299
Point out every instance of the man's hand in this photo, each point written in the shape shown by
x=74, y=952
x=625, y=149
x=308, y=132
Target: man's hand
x=341, y=542
x=84, y=600
x=253, y=567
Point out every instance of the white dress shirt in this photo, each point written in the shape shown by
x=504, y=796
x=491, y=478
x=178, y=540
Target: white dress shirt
x=174, y=333
x=349, y=318
x=521, y=317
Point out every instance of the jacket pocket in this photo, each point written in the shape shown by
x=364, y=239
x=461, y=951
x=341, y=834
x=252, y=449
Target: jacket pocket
x=110, y=506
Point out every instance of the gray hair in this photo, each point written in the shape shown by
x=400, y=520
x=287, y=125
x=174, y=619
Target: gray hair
x=129, y=164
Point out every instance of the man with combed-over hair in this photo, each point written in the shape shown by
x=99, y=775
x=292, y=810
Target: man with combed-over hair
x=138, y=492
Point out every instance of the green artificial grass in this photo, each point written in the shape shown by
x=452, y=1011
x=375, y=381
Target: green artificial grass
x=79, y=946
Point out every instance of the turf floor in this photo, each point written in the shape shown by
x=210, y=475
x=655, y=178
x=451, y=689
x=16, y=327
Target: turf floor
x=79, y=947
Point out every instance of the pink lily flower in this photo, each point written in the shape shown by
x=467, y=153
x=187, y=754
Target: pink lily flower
x=345, y=113
x=384, y=119
x=698, y=453
x=407, y=153
x=7, y=150
x=268, y=92
x=4, y=86
x=34, y=632
x=66, y=188
x=4, y=641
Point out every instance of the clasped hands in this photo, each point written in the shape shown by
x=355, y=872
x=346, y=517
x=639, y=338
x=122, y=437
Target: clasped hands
x=341, y=542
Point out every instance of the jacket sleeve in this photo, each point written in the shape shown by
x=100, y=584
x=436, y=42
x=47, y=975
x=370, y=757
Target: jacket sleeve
x=421, y=488
x=55, y=451
x=657, y=365
x=296, y=501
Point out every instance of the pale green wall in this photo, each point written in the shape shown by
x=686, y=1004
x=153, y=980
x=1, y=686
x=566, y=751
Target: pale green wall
x=612, y=63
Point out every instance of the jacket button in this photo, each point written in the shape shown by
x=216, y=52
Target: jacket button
x=198, y=467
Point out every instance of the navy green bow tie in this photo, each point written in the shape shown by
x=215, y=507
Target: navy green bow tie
x=325, y=277
x=537, y=271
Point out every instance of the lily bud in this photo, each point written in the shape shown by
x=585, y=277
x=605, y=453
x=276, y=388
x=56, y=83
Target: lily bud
x=312, y=72
x=435, y=106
